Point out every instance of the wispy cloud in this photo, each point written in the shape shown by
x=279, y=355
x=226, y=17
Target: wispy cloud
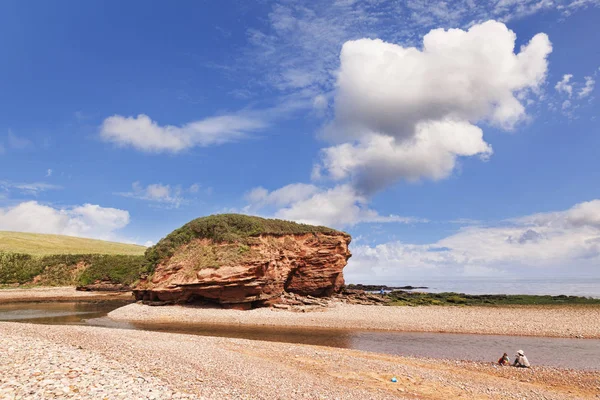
x=587, y=88
x=33, y=188
x=165, y=195
x=571, y=94
x=465, y=221
x=17, y=142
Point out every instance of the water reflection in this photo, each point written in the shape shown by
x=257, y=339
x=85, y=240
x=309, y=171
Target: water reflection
x=320, y=337
x=57, y=313
x=566, y=353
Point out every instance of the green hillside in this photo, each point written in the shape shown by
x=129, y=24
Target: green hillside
x=42, y=244
x=51, y=260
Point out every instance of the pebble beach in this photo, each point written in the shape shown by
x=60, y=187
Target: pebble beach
x=548, y=321
x=87, y=362
x=78, y=362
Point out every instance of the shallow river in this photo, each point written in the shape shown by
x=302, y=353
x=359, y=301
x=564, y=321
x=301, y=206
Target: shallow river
x=566, y=353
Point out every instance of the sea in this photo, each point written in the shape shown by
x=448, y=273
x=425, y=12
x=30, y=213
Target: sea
x=588, y=287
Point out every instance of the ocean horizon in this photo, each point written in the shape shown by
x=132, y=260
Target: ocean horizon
x=588, y=287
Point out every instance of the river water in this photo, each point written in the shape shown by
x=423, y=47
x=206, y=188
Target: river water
x=565, y=353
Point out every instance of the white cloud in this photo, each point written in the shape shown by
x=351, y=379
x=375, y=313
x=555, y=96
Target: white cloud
x=409, y=113
x=298, y=51
x=166, y=195
x=386, y=88
x=588, y=88
x=33, y=188
x=569, y=7
x=531, y=246
x=49, y=173
x=284, y=196
x=436, y=13
x=377, y=161
x=194, y=188
x=158, y=193
x=563, y=86
x=87, y=220
x=586, y=214
x=567, y=88
x=339, y=207
x=146, y=135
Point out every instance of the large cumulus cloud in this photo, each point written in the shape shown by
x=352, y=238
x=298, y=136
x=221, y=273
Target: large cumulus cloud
x=409, y=113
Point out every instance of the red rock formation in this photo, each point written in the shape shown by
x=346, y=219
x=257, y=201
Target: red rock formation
x=252, y=274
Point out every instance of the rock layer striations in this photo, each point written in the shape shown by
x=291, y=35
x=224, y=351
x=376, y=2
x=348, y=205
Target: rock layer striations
x=245, y=261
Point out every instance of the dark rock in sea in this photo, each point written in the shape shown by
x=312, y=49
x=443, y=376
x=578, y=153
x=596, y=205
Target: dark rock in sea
x=372, y=288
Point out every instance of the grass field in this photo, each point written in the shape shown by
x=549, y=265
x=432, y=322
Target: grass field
x=42, y=244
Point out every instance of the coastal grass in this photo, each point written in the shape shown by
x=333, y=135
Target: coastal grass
x=226, y=228
x=69, y=269
x=44, y=244
x=404, y=298
x=33, y=259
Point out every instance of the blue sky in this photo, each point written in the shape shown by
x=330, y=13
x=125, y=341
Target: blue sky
x=449, y=140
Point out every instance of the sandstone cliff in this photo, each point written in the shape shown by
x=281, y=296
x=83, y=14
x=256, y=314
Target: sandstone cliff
x=244, y=261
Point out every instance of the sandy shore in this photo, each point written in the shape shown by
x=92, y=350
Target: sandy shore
x=550, y=321
x=67, y=293
x=87, y=362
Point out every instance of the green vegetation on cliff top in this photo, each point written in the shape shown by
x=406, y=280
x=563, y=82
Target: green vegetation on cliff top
x=227, y=228
x=43, y=244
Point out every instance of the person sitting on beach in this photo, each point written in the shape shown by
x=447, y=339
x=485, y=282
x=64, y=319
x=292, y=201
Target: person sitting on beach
x=521, y=361
x=504, y=360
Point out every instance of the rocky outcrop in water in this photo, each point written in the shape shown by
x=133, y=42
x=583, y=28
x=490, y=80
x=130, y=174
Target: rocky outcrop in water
x=104, y=286
x=250, y=269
